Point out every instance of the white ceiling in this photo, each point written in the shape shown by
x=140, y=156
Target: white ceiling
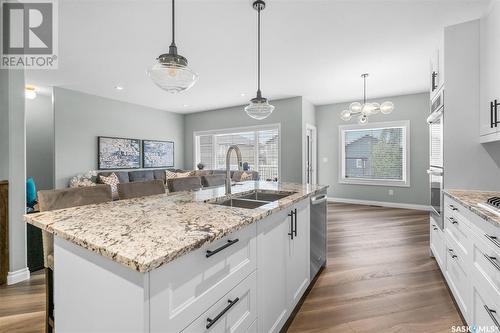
x=315, y=49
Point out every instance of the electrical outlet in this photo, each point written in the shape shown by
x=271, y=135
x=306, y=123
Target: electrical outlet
x=391, y=192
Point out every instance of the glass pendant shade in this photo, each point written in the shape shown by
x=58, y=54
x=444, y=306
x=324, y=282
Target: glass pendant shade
x=172, y=77
x=259, y=108
x=387, y=107
x=345, y=115
x=355, y=107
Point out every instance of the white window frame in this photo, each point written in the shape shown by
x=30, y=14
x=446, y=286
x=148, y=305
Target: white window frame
x=231, y=130
x=405, y=124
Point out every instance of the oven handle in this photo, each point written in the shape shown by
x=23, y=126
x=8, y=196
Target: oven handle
x=435, y=172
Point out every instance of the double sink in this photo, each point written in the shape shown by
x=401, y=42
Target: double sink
x=254, y=199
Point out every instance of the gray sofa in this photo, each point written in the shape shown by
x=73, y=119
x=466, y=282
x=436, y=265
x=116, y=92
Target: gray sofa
x=199, y=179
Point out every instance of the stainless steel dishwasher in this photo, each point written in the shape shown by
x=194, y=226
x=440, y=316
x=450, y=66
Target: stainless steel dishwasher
x=318, y=232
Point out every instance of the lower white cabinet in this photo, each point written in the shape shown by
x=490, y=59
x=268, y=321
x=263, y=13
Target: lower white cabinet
x=283, y=248
x=437, y=244
x=472, y=265
x=235, y=312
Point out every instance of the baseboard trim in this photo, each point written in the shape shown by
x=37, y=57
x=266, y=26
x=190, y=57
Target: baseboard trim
x=18, y=276
x=380, y=203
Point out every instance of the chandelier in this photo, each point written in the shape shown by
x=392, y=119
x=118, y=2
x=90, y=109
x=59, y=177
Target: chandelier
x=366, y=109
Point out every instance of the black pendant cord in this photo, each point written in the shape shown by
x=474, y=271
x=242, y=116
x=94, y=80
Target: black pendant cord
x=258, y=53
x=173, y=22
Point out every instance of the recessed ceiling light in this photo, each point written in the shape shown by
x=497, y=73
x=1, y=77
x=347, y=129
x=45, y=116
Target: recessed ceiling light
x=118, y=87
x=243, y=94
x=185, y=105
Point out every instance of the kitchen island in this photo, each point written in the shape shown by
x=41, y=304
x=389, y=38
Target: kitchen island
x=182, y=262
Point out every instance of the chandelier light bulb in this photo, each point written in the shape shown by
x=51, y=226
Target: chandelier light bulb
x=346, y=115
x=355, y=107
x=387, y=107
x=363, y=119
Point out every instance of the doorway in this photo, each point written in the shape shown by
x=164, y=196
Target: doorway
x=310, y=162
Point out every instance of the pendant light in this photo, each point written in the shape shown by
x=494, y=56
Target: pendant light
x=366, y=109
x=259, y=108
x=171, y=71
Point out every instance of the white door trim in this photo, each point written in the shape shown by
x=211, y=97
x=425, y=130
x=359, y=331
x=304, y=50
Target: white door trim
x=380, y=203
x=314, y=131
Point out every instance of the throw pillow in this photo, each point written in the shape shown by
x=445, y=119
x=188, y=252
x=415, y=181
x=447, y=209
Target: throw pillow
x=246, y=176
x=169, y=174
x=82, y=180
x=111, y=180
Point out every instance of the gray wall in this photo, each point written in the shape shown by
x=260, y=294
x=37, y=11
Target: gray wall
x=413, y=107
x=40, y=141
x=4, y=125
x=12, y=167
x=80, y=118
x=288, y=113
x=468, y=163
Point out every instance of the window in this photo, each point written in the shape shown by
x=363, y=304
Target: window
x=259, y=148
x=375, y=154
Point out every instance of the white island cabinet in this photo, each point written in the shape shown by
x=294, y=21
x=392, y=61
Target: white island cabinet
x=248, y=281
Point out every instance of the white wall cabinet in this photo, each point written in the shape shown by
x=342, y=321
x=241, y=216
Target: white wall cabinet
x=284, y=265
x=489, y=92
x=436, y=75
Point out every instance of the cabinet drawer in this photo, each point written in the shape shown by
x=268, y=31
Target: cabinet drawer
x=182, y=290
x=460, y=232
x=438, y=246
x=234, y=312
x=484, y=315
x=486, y=269
x=457, y=275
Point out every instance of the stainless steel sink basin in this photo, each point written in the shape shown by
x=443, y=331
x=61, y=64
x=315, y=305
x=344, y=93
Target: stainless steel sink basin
x=242, y=203
x=254, y=199
x=266, y=196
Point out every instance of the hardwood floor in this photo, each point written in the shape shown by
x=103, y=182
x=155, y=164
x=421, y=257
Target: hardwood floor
x=22, y=306
x=379, y=276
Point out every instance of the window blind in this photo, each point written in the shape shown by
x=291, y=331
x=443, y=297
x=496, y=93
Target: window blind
x=375, y=154
x=259, y=148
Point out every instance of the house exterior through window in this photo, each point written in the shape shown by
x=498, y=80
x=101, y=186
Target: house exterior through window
x=259, y=146
x=375, y=154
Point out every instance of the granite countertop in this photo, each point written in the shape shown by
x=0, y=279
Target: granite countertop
x=470, y=198
x=145, y=233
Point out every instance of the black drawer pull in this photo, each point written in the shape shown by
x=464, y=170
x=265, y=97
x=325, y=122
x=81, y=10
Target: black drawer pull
x=452, y=254
x=493, y=239
x=490, y=313
x=226, y=309
x=228, y=244
x=291, y=233
x=295, y=213
x=493, y=261
x=452, y=220
x=453, y=207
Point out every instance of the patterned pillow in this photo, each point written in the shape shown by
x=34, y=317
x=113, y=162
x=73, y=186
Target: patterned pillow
x=184, y=174
x=246, y=176
x=113, y=181
x=169, y=174
x=83, y=180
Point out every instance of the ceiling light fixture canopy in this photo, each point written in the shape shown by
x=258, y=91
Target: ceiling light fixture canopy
x=171, y=71
x=259, y=108
x=366, y=109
